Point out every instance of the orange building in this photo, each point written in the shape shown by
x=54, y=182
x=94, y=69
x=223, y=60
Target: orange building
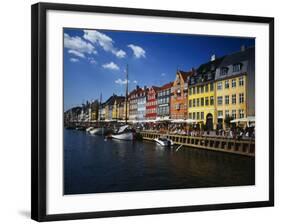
x=179, y=95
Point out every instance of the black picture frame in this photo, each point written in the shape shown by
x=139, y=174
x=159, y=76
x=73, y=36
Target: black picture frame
x=38, y=108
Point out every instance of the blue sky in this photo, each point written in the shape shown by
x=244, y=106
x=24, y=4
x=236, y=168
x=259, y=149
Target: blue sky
x=95, y=60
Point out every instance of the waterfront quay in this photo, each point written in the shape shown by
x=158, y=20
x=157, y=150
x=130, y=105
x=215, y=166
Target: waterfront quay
x=241, y=147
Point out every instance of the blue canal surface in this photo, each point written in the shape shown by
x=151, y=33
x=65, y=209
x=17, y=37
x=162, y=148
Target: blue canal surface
x=93, y=165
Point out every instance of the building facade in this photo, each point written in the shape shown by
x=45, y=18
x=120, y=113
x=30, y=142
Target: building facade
x=133, y=107
x=118, y=108
x=202, y=94
x=141, y=103
x=163, y=101
x=94, y=110
x=234, y=83
x=151, y=103
x=179, y=95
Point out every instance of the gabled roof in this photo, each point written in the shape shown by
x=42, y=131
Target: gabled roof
x=166, y=86
x=155, y=88
x=185, y=75
x=120, y=99
x=111, y=100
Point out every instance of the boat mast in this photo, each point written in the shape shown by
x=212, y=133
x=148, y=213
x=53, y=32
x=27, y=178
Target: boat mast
x=126, y=98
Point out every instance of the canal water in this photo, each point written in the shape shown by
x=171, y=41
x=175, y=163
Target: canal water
x=95, y=165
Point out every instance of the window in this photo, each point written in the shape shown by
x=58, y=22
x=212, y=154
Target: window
x=198, y=114
x=227, y=113
x=233, y=114
x=198, y=89
x=241, y=113
x=202, y=89
x=236, y=67
x=198, y=102
x=220, y=113
x=241, y=97
x=212, y=100
x=223, y=71
x=233, y=83
x=219, y=100
x=226, y=84
x=190, y=103
x=190, y=115
x=194, y=105
x=190, y=91
x=207, y=88
x=193, y=115
x=202, y=101
x=211, y=86
x=207, y=101
x=194, y=90
x=241, y=81
x=219, y=87
x=233, y=99
x=226, y=100
x=202, y=115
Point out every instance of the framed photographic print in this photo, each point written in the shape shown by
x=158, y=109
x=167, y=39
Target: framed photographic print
x=138, y=111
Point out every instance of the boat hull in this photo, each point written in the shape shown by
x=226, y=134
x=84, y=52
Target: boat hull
x=124, y=136
x=97, y=131
x=165, y=143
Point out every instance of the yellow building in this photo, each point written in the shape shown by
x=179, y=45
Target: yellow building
x=223, y=90
x=231, y=99
x=202, y=94
x=118, y=110
x=201, y=103
x=235, y=87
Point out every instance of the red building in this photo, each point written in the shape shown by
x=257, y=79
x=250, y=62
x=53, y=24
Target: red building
x=151, y=103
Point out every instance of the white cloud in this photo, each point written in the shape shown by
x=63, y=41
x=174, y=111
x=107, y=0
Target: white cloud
x=137, y=50
x=135, y=81
x=104, y=41
x=77, y=44
x=121, y=82
x=120, y=54
x=76, y=53
x=163, y=74
x=74, y=59
x=111, y=66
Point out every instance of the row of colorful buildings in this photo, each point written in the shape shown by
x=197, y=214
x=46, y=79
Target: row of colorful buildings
x=222, y=88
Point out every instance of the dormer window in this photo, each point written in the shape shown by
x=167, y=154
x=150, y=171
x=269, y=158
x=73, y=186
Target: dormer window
x=223, y=71
x=236, y=67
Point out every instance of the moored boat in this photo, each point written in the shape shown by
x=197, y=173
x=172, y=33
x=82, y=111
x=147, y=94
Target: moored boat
x=163, y=141
x=97, y=131
x=124, y=133
x=89, y=129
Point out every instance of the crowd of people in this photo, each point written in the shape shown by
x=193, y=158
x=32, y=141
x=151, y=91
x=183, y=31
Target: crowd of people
x=234, y=132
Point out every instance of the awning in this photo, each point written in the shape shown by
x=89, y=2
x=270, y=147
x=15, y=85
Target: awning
x=245, y=119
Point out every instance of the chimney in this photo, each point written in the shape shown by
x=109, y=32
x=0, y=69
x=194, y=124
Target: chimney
x=144, y=87
x=213, y=57
x=137, y=87
x=243, y=48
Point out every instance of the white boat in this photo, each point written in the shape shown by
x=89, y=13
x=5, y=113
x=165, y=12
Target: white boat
x=124, y=134
x=164, y=141
x=89, y=129
x=97, y=131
